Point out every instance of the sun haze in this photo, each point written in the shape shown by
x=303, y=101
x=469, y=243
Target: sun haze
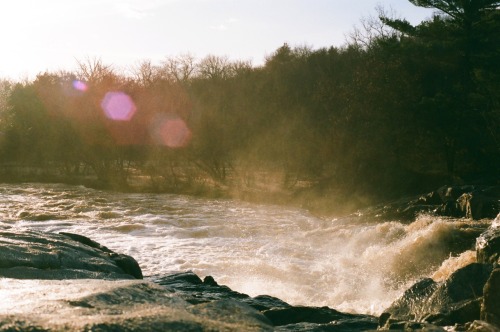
x=40, y=35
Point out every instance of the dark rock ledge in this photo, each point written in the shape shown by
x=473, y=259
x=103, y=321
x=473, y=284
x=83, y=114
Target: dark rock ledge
x=35, y=255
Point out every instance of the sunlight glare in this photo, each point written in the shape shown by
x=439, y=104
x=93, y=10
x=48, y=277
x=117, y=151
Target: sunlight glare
x=118, y=106
x=80, y=86
x=173, y=132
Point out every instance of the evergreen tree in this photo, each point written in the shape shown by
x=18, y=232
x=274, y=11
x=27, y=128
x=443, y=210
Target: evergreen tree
x=457, y=44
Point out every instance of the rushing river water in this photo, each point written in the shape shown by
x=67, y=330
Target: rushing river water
x=349, y=264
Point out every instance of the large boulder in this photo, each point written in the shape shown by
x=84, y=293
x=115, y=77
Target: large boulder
x=37, y=255
x=410, y=306
x=488, y=244
x=490, y=310
x=454, y=301
x=488, y=251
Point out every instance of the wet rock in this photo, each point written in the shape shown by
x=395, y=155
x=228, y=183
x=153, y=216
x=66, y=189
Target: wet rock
x=413, y=326
x=458, y=313
x=192, y=289
x=118, y=305
x=231, y=312
x=488, y=251
x=472, y=202
x=51, y=283
x=409, y=305
x=37, y=255
x=266, y=302
x=464, y=284
x=490, y=310
x=488, y=246
x=293, y=317
x=300, y=314
x=452, y=193
x=454, y=301
x=125, y=262
x=343, y=325
x=480, y=326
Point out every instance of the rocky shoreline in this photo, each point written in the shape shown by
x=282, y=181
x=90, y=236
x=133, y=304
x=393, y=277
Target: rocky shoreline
x=68, y=282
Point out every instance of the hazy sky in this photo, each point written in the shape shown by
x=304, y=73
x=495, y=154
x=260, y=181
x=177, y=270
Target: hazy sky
x=39, y=35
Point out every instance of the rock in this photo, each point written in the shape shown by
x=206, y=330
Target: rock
x=490, y=310
x=481, y=326
x=36, y=298
x=37, y=255
x=118, y=305
x=464, y=284
x=452, y=193
x=409, y=305
x=192, y=289
x=413, y=326
x=480, y=203
x=231, y=312
x=299, y=315
x=344, y=325
x=125, y=262
x=470, y=201
x=459, y=313
x=488, y=246
x=454, y=301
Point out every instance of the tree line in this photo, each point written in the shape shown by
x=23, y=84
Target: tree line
x=396, y=109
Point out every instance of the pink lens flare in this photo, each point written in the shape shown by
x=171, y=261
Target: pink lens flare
x=118, y=106
x=172, y=131
x=80, y=85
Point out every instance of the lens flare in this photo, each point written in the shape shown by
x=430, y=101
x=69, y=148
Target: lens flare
x=80, y=85
x=118, y=106
x=172, y=131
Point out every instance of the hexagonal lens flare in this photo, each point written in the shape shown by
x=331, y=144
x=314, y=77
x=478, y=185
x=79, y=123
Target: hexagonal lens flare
x=118, y=106
x=80, y=85
x=172, y=131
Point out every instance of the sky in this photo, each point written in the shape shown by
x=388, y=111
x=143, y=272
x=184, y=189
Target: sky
x=52, y=35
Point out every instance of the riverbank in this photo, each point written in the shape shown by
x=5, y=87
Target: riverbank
x=476, y=199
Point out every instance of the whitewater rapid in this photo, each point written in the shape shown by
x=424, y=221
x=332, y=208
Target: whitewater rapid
x=349, y=264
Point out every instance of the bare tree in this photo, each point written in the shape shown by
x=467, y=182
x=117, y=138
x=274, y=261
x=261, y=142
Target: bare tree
x=213, y=67
x=93, y=70
x=180, y=68
x=145, y=73
x=240, y=66
x=372, y=28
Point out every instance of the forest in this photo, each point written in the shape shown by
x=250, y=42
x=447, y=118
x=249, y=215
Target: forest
x=395, y=111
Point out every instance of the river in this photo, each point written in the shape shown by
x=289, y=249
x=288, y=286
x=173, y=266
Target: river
x=349, y=264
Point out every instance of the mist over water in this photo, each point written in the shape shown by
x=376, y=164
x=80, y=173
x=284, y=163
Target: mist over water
x=350, y=264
